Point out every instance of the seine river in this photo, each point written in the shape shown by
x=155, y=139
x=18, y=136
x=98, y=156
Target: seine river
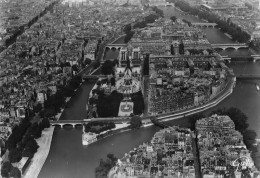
x=68, y=158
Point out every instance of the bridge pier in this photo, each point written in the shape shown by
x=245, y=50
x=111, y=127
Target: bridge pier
x=256, y=59
x=61, y=125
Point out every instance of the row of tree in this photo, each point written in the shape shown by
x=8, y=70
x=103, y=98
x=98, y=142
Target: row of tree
x=108, y=67
x=55, y=102
x=105, y=165
x=8, y=170
x=135, y=122
x=255, y=44
x=129, y=33
x=138, y=101
x=148, y=19
x=108, y=106
x=99, y=126
x=22, y=143
x=142, y=24
x=236, y=32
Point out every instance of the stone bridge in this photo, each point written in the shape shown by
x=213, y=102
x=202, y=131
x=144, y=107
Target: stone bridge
x=61, y=123
x=256, y=57
x=226, y=46
x=253, y=58
x=74, y=123
x=116, y=46
x=201, y=24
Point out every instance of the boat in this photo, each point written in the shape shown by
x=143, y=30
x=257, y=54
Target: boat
x=257, y=87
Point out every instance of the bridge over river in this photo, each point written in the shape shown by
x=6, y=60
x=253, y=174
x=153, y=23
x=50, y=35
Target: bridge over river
x=253, y=58
x=201, y=24
x=81, y=122
x=226, y=46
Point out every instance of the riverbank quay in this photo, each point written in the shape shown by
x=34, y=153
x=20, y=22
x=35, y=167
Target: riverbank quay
x=69, y=98
x=40, y=156
x=120, y=128
x=44, y=143
x=89, y=137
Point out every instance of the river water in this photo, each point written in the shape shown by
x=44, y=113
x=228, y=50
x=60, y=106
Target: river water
x=69, y=159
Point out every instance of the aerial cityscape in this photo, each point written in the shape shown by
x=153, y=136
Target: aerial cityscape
x=130, y=88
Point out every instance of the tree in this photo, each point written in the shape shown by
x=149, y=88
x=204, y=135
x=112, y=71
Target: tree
x=87, y=61
x=249, y=137
x=193, y=119
x=17, y=134
x=236, y=115
x=104, y=166
x=113, y=81
x=138, y=100
x=173, y=18
x=96, y=64
x=135, y=122
x=6, y=167
x=92, y=101
x=37, y=108
x=15, y=155
x=127, y=28
x=128, y=36
x=239, y=118
x=107, y=68
x=37, y=133
x=30, y=148
x=45, y=123
x=15, y=172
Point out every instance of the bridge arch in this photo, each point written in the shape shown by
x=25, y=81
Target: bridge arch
x=113, y=48
x=242, y=47
x=68, y=124
x=231, y=47
x=57, y=125
x=78, y=125
x=219, y=48
x=255, y=59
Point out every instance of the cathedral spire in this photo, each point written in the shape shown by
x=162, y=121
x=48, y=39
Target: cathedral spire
x=128, y=66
